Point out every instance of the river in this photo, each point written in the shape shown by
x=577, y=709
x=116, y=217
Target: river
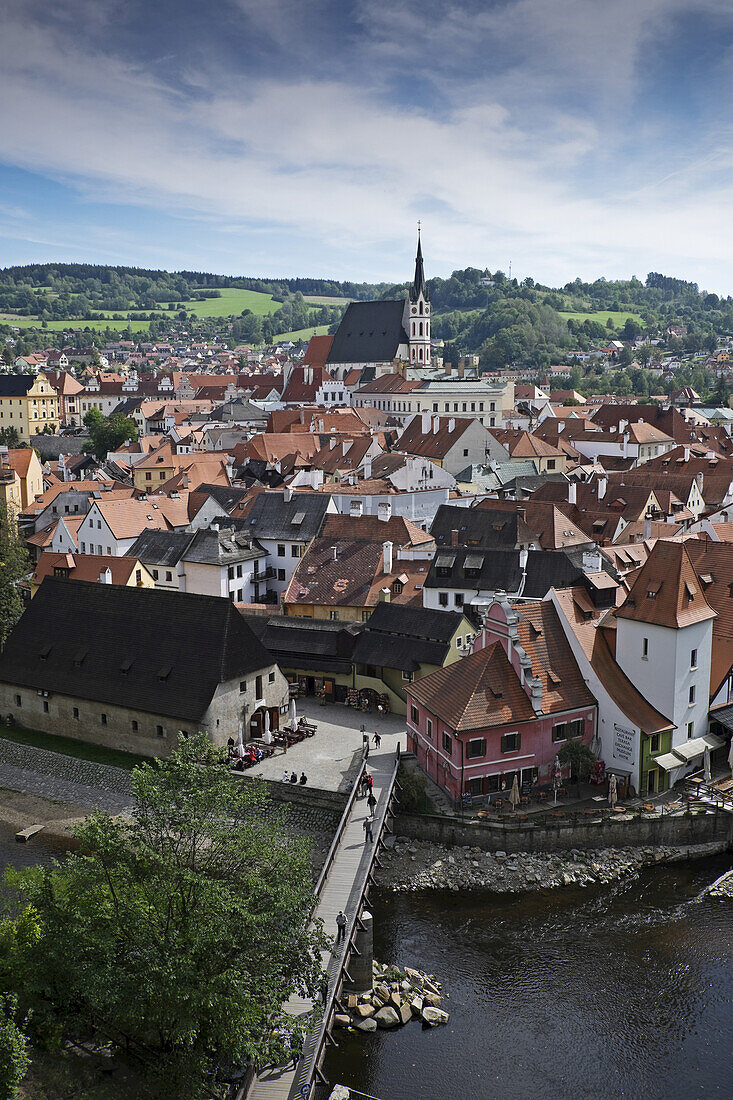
x=623, y=991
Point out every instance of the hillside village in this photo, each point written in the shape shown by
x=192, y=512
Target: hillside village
x=504, y=562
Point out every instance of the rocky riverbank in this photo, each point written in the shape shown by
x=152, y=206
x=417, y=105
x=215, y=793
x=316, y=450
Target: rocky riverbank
x=420, y=865
x=396, y=997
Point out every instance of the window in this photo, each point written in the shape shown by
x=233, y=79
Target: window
x=465, y=452
x=271, y=677
x=511, y=742
x=160, y=731
x=239, y=570
x=134, y=725
x=45, y=707
x=645, y=649
x=690, y=730
x=83, y=548
x=76, y=712
x=281, y=550
x=475, y=786
x=155, y=574
x=476, y=747
x=447, y=743
x=294, y=551
x=551, y=464
x=459, y=643
x=414, y=715
x=240, y=595
x=443, y=599
x=258, y=687
x=692, y=694
x=429, y=728
x=281, y=574
x=654, y=742
x=564, y=731
x=104, y=719
x=138, y=576
x=333, y=616
x=407, y=676
x=242, y=686
x=230, y=572
x=458, y=599
x=693, y=659
x=148, y=476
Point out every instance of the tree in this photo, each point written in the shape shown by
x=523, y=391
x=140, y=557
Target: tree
x=14, y=1060
x=107, y=433
x=14, y=566
x=578, y=756
x=177, y=935
x=9, y=438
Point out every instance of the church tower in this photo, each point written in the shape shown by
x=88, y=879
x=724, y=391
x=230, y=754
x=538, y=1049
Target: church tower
x=417, y=310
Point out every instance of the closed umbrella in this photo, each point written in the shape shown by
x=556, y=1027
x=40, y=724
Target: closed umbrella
x=514, y=793
x=240, y=742
x=708, y=771
x=612, y=791
x=595, y=745
x=293, y=716
x=556, y=774
x=266, y=735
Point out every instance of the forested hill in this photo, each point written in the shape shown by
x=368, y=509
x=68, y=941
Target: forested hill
x=502, y=319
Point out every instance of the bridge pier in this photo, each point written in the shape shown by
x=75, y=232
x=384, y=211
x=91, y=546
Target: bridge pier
x=361, y=965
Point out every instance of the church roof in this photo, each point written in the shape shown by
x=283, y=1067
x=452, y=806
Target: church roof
x=370, y=332
x=418, y=286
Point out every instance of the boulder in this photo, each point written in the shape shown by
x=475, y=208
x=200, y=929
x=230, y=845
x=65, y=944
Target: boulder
x=366, y=1025
x=340, y=1092
x=341, y=1020
x=365, y=1011
x=352, y=1000
x=416, y=1005
x=395, y=1000
x=381, y=993
x=431, y=999
x=387, y=1017
x=405, y=1013
x=434, y=1016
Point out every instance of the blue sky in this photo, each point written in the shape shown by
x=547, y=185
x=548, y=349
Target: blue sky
x=278, y=137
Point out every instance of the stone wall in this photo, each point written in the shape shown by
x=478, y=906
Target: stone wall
x=309, y=797
x=667, y=830
x=63, y=778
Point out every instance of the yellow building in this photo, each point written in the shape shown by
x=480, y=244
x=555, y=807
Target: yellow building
x=99, y=568
x=29, y=404
x=10, y=491
x=27, y=466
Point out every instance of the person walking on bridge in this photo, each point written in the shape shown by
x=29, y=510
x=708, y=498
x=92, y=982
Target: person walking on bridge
x=368, y=834
x=341, y=925
x=371, y=803
x=377, y=740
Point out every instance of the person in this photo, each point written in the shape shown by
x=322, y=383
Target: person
x=341, y=925
x=368, y=835
x=366, y=748
x=296, y=1047
x=377, y=740
x=371, y=803
x=324, y=989
x=286, y=777
x=364, y=782
x=303, y=779
x=370, y=781
x=294, y=777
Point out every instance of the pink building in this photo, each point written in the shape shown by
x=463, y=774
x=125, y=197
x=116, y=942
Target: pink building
x=505, y=709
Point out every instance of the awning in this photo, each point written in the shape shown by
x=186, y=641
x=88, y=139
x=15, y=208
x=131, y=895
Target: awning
x=724, y=716
x=683, y=755
x=669, y=761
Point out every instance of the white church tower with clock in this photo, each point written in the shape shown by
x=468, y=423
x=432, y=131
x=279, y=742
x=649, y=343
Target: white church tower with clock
x=417, y=314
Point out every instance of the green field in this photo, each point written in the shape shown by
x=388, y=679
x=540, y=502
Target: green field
x=619, y=317
x=325, y=300
x=302, y=333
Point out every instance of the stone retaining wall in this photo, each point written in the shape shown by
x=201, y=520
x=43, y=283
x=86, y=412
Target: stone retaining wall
x=668, y=830
x=57, y=776
x=311, y=797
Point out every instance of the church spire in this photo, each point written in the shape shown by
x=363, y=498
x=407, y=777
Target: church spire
x=418, y=286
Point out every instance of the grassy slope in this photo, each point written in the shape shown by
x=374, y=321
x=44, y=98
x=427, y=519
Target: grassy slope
x=69, y=747
x=619, y=317
x=303, y=333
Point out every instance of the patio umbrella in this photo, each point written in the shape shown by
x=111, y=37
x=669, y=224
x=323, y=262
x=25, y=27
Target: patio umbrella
x=612, y=791
x=293, y=716
x=595, y=745
x=730, y=759
x=266, y=735
x=708, y=771
x=514, y=793
x=240, y=741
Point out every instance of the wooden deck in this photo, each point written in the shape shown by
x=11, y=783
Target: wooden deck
x=342, y=888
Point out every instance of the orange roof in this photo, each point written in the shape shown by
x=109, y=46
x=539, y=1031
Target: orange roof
x=20, y=459
x=85, y=567
x=666, y=591
x=317, y=351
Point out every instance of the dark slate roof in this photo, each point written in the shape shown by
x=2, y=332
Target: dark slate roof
x=223, y=547
x=477, y=527
x=16, y=385
x=306, y=643
x=499, y=570
x=154, y=651
x=370, y=332
x=273, y=517
x=160, y=547
x=226, y=496
x=414, y=622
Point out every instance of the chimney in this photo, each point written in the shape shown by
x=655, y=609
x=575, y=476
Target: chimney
x=535, y=687
x=385, y=596
x=287, y=494
x=454, y=537
x=592, y=560
x=602, y=486
x=384, y=511
x=572, y=492
x=367, y=468
x=356, y=509
x=647, y=526
x=686, y=454
x=523, y=558
x=335, y=553
x=105, y=577
x=451, y=425
x=461, y=367
x=525, y=668
x=436, y=425
x=425, y=423
x=387, y=557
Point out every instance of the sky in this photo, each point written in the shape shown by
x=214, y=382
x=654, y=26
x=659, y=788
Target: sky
x=277, y=138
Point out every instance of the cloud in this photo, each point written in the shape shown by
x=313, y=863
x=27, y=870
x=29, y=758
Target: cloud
x=515, y=134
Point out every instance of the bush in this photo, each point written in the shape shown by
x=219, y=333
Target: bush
x=14, y=1058
x=413, y=794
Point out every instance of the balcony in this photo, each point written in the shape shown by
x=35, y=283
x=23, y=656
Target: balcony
x=267, y=574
